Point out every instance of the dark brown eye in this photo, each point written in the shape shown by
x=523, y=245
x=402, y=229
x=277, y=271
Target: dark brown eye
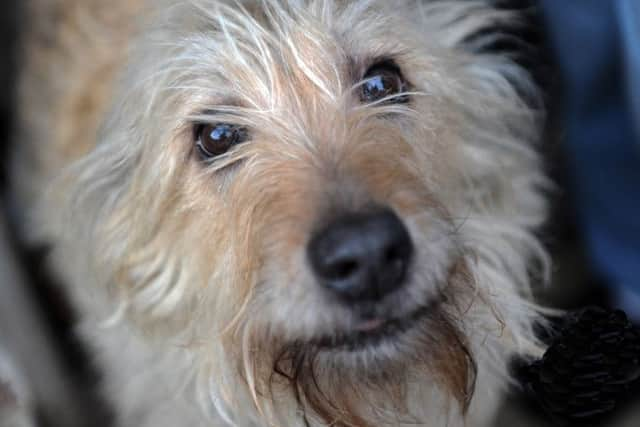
x=383, y=80
x=216, y=139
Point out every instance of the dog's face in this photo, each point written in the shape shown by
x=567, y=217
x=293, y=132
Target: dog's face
x=330, y=200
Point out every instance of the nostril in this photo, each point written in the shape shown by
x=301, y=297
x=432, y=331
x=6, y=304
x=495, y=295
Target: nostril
x=396, y=259
x=342, y=270
x=392, y=255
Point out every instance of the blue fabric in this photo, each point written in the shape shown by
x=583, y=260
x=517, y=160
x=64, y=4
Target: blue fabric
x=629, y=17
x=597, y=46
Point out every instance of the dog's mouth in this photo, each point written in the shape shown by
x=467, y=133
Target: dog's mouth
x=371, y=332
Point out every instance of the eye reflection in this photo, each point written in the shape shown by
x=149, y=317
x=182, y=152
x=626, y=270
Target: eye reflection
x=383, y=80
x=216, y=139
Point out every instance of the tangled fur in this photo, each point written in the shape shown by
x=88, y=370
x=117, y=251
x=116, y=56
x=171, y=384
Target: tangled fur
x=190, y=275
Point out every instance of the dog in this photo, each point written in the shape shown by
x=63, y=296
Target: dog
x=286, y=212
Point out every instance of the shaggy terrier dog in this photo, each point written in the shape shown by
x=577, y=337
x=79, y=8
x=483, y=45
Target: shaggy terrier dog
x=286, y=212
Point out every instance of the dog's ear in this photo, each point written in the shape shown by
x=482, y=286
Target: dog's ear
x=516, y=32
x=504, y=37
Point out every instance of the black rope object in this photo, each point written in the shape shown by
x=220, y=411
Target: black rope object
x=591, y=365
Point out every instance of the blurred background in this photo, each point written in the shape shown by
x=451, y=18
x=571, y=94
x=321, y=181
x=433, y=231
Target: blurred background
x=585, y=54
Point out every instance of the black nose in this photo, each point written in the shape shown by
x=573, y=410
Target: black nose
x=363, y=256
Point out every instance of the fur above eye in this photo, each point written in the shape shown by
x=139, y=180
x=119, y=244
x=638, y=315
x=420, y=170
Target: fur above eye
x=383, y=80
x=215, y=139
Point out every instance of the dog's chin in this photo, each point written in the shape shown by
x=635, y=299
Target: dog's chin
x=371, y=333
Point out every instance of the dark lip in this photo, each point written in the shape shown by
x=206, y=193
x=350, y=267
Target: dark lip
x=389, y=330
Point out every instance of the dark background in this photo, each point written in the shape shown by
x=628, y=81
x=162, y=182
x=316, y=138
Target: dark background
x=8, y=27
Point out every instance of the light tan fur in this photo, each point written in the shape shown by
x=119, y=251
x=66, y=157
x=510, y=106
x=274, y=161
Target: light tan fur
x=70, y=56
x=191, y=276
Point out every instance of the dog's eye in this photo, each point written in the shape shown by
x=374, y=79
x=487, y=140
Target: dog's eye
x=216, y=139
x=383, y=80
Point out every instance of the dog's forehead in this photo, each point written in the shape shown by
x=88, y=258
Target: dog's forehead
x=243, y=47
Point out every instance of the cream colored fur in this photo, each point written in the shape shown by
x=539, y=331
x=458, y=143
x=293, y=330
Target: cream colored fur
x=190, y=277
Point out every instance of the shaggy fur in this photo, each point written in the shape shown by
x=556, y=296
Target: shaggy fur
x=190, y=276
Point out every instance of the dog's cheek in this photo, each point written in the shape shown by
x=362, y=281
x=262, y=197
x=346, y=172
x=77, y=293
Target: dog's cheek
x=278, y=208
